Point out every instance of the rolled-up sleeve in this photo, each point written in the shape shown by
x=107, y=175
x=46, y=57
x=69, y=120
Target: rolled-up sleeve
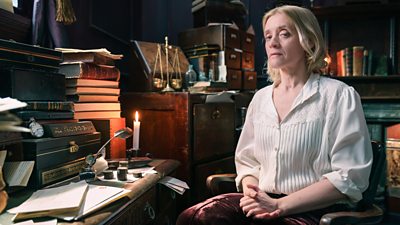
x=246, y=163
x=351, y=152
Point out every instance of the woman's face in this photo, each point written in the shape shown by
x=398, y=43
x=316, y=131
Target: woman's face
x=282, y=43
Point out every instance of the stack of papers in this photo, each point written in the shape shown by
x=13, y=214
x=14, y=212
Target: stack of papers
x=69, y=202
x=175, y=184
x=52, y=201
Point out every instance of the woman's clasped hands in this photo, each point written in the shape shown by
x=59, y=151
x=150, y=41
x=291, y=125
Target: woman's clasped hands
x=257, y=204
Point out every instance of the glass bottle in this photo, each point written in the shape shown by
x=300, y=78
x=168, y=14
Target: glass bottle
x=190, y=76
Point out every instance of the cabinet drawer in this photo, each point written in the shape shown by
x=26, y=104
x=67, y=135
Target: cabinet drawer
x=225, y=165
x=232, y=59
x=234, y=79
x=220, y=35
x=247, y=60
x=247, y=42
x=214, y=127
x=232, y=38
x=249, y=80
x=142, y=211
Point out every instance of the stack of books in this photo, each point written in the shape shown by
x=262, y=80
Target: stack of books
x=92, y=83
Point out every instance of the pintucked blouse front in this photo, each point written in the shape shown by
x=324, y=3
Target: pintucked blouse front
x=323, y=135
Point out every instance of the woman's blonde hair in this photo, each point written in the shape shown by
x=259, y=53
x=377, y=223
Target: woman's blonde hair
x=310, y=36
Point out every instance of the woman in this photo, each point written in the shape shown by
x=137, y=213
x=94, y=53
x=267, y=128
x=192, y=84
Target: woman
x=305, y=144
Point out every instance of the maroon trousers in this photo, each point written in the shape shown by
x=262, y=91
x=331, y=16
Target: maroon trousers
x=224, y=209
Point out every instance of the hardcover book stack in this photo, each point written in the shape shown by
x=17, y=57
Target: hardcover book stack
x=92, y=83
x=92, y=87
x=57, y=143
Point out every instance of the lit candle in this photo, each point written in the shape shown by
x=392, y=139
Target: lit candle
x=136, y=131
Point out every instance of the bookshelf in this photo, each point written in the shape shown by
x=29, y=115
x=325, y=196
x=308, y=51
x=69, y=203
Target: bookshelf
x=375, y=26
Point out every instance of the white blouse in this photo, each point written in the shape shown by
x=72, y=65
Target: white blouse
x=323, y=135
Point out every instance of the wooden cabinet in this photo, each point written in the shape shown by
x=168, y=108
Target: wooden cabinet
x=184, y=127
x=238, y=46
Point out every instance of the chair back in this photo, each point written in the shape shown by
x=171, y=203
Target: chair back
x=377, y=171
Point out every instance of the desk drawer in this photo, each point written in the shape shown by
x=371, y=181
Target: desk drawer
x=214, y=127
x=140, y=212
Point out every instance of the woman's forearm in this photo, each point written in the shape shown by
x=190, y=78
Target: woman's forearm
x=315, y=196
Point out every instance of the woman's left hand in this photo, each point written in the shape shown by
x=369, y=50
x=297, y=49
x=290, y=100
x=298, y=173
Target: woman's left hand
x=259, y=204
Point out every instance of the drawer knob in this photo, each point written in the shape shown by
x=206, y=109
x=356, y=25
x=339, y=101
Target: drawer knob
x=216, y=114
x=150, y=211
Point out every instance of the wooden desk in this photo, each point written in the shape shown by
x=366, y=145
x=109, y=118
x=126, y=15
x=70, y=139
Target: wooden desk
x=147, y=203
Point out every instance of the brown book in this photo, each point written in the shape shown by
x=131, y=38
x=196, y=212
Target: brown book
x=97, y=115
x=92, y=90
x=96, y=106
x=88, y=57
x=340, y=63
x=107, y=128
x=50, y=105
x=92, y=98
x=89, y=71
x=358, y=54
x=79, y=82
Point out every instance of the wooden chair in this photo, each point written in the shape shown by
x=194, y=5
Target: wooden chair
x=366, y=212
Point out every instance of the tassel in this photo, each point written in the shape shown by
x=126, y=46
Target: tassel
x=65, y=13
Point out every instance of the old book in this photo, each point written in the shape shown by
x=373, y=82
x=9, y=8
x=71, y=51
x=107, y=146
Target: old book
x=340, y=63
x=92, y=90
x=92, y=98
x=88, y=57
x=97, y=115
x=107, y=128
x=358, y=53
x=96, y=106
x=348, y=56
x=68, y=129
x=50, y=105
x=79, y=82
x=89, y=71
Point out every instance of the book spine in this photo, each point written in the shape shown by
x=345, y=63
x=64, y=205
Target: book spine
x=51, y=106
x=339, y=64
x=365, y=62
x=358, y=52
x=348, y=54
x=68, y=129
x=92, y=71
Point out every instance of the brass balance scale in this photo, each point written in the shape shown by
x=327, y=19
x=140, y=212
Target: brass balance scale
x=170, y=83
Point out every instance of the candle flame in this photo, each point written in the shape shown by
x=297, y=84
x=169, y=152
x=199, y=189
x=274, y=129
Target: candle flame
x=136, y=116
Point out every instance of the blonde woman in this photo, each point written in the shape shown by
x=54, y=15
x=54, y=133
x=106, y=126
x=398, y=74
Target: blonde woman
x=304, y=147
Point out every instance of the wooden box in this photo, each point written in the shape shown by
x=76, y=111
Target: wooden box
x=32, y=85
x=58, y=158
x=150, y=67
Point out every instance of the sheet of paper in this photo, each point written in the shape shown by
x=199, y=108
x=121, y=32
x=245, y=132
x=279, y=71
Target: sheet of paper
x=175, y=184
x=96, y=198
x=18, y=173
x=30, y=222
x=52, y=199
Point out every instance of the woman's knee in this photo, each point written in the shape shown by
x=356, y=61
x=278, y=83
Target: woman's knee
x=217, y=210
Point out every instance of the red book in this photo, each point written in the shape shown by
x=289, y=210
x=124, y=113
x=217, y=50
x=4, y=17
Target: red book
x=89, y=71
